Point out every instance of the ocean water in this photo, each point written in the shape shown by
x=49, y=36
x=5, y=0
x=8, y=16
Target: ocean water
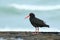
x=13, y=13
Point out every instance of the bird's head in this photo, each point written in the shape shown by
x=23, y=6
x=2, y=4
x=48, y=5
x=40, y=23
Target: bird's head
x=30, y=15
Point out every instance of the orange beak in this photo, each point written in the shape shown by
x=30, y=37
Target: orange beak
x=27, y=16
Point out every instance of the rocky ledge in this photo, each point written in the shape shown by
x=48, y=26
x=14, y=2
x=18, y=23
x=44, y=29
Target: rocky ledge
x=30, y=36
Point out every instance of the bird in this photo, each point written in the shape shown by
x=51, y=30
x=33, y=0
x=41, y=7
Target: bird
x=36, y=22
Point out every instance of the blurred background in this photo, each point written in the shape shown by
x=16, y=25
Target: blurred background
x=13, y=13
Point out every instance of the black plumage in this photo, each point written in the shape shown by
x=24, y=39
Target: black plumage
x=37, y=22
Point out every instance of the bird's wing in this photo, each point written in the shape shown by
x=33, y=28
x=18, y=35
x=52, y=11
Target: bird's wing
x=39, y=21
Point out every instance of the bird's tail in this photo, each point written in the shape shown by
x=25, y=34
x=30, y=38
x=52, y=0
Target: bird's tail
x=47, y=26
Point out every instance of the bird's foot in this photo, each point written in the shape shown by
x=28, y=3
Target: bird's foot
x=35, y=33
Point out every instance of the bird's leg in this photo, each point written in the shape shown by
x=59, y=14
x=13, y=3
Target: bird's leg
x=36, y=30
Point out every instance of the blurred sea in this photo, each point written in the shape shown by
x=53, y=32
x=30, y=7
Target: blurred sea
x=13, y=12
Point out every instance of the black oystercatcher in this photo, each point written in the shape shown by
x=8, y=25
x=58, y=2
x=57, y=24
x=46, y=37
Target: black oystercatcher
x=36, y=22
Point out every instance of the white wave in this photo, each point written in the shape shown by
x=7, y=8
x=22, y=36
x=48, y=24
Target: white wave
x=49, y=30
x=32, y=30
x=35, y=7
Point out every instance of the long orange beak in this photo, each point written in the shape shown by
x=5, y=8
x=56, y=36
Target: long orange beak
x=27, y=16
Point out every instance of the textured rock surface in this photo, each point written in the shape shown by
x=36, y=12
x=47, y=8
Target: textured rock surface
x=30, y=36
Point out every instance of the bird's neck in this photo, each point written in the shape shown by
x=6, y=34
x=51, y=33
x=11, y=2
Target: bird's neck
x=31, y=17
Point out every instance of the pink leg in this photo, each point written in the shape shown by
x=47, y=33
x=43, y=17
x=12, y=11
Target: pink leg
x=36, y=30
